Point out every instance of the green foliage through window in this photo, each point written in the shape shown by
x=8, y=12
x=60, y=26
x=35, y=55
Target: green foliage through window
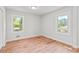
x=62, y=24
x=17, y=23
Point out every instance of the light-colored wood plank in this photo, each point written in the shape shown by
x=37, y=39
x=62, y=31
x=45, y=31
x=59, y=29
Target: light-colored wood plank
x=38, y=44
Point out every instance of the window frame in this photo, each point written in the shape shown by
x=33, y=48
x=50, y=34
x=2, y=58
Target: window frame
x=69, y=19
x=13, y=23
x=66, y=25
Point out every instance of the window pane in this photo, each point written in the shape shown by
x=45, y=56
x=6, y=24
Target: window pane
x=17, y=23
x=62, y=24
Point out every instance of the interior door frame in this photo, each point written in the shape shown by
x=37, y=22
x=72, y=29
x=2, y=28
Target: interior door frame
x=3, y=26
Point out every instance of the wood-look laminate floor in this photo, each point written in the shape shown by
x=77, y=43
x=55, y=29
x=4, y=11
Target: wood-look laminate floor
x=36, y=45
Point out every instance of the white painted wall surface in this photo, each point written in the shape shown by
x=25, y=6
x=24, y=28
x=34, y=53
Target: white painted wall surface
x=49, y=26
x=31, y=25
x=45, y=25
x=2, y=27
x=78, y=27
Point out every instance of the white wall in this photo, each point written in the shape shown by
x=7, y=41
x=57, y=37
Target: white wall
x=31, y=25
x=2, y=27
x=49, y=25
x=45, y=25
x=78, y=27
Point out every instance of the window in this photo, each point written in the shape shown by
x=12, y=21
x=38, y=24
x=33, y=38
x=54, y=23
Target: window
x=62, y=24
x=17, y=23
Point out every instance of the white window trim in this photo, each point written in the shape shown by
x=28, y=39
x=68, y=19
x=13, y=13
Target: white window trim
x=22, y=23
x=69, y=18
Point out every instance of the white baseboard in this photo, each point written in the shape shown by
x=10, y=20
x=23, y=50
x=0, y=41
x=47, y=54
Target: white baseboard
x=58, y=40
x=2, y=45
x=20, y=38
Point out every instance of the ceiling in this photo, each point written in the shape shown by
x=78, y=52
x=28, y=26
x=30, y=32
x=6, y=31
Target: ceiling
x=41, y=10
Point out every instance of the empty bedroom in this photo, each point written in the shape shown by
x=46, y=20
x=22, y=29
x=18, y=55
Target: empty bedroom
x=39, y=29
